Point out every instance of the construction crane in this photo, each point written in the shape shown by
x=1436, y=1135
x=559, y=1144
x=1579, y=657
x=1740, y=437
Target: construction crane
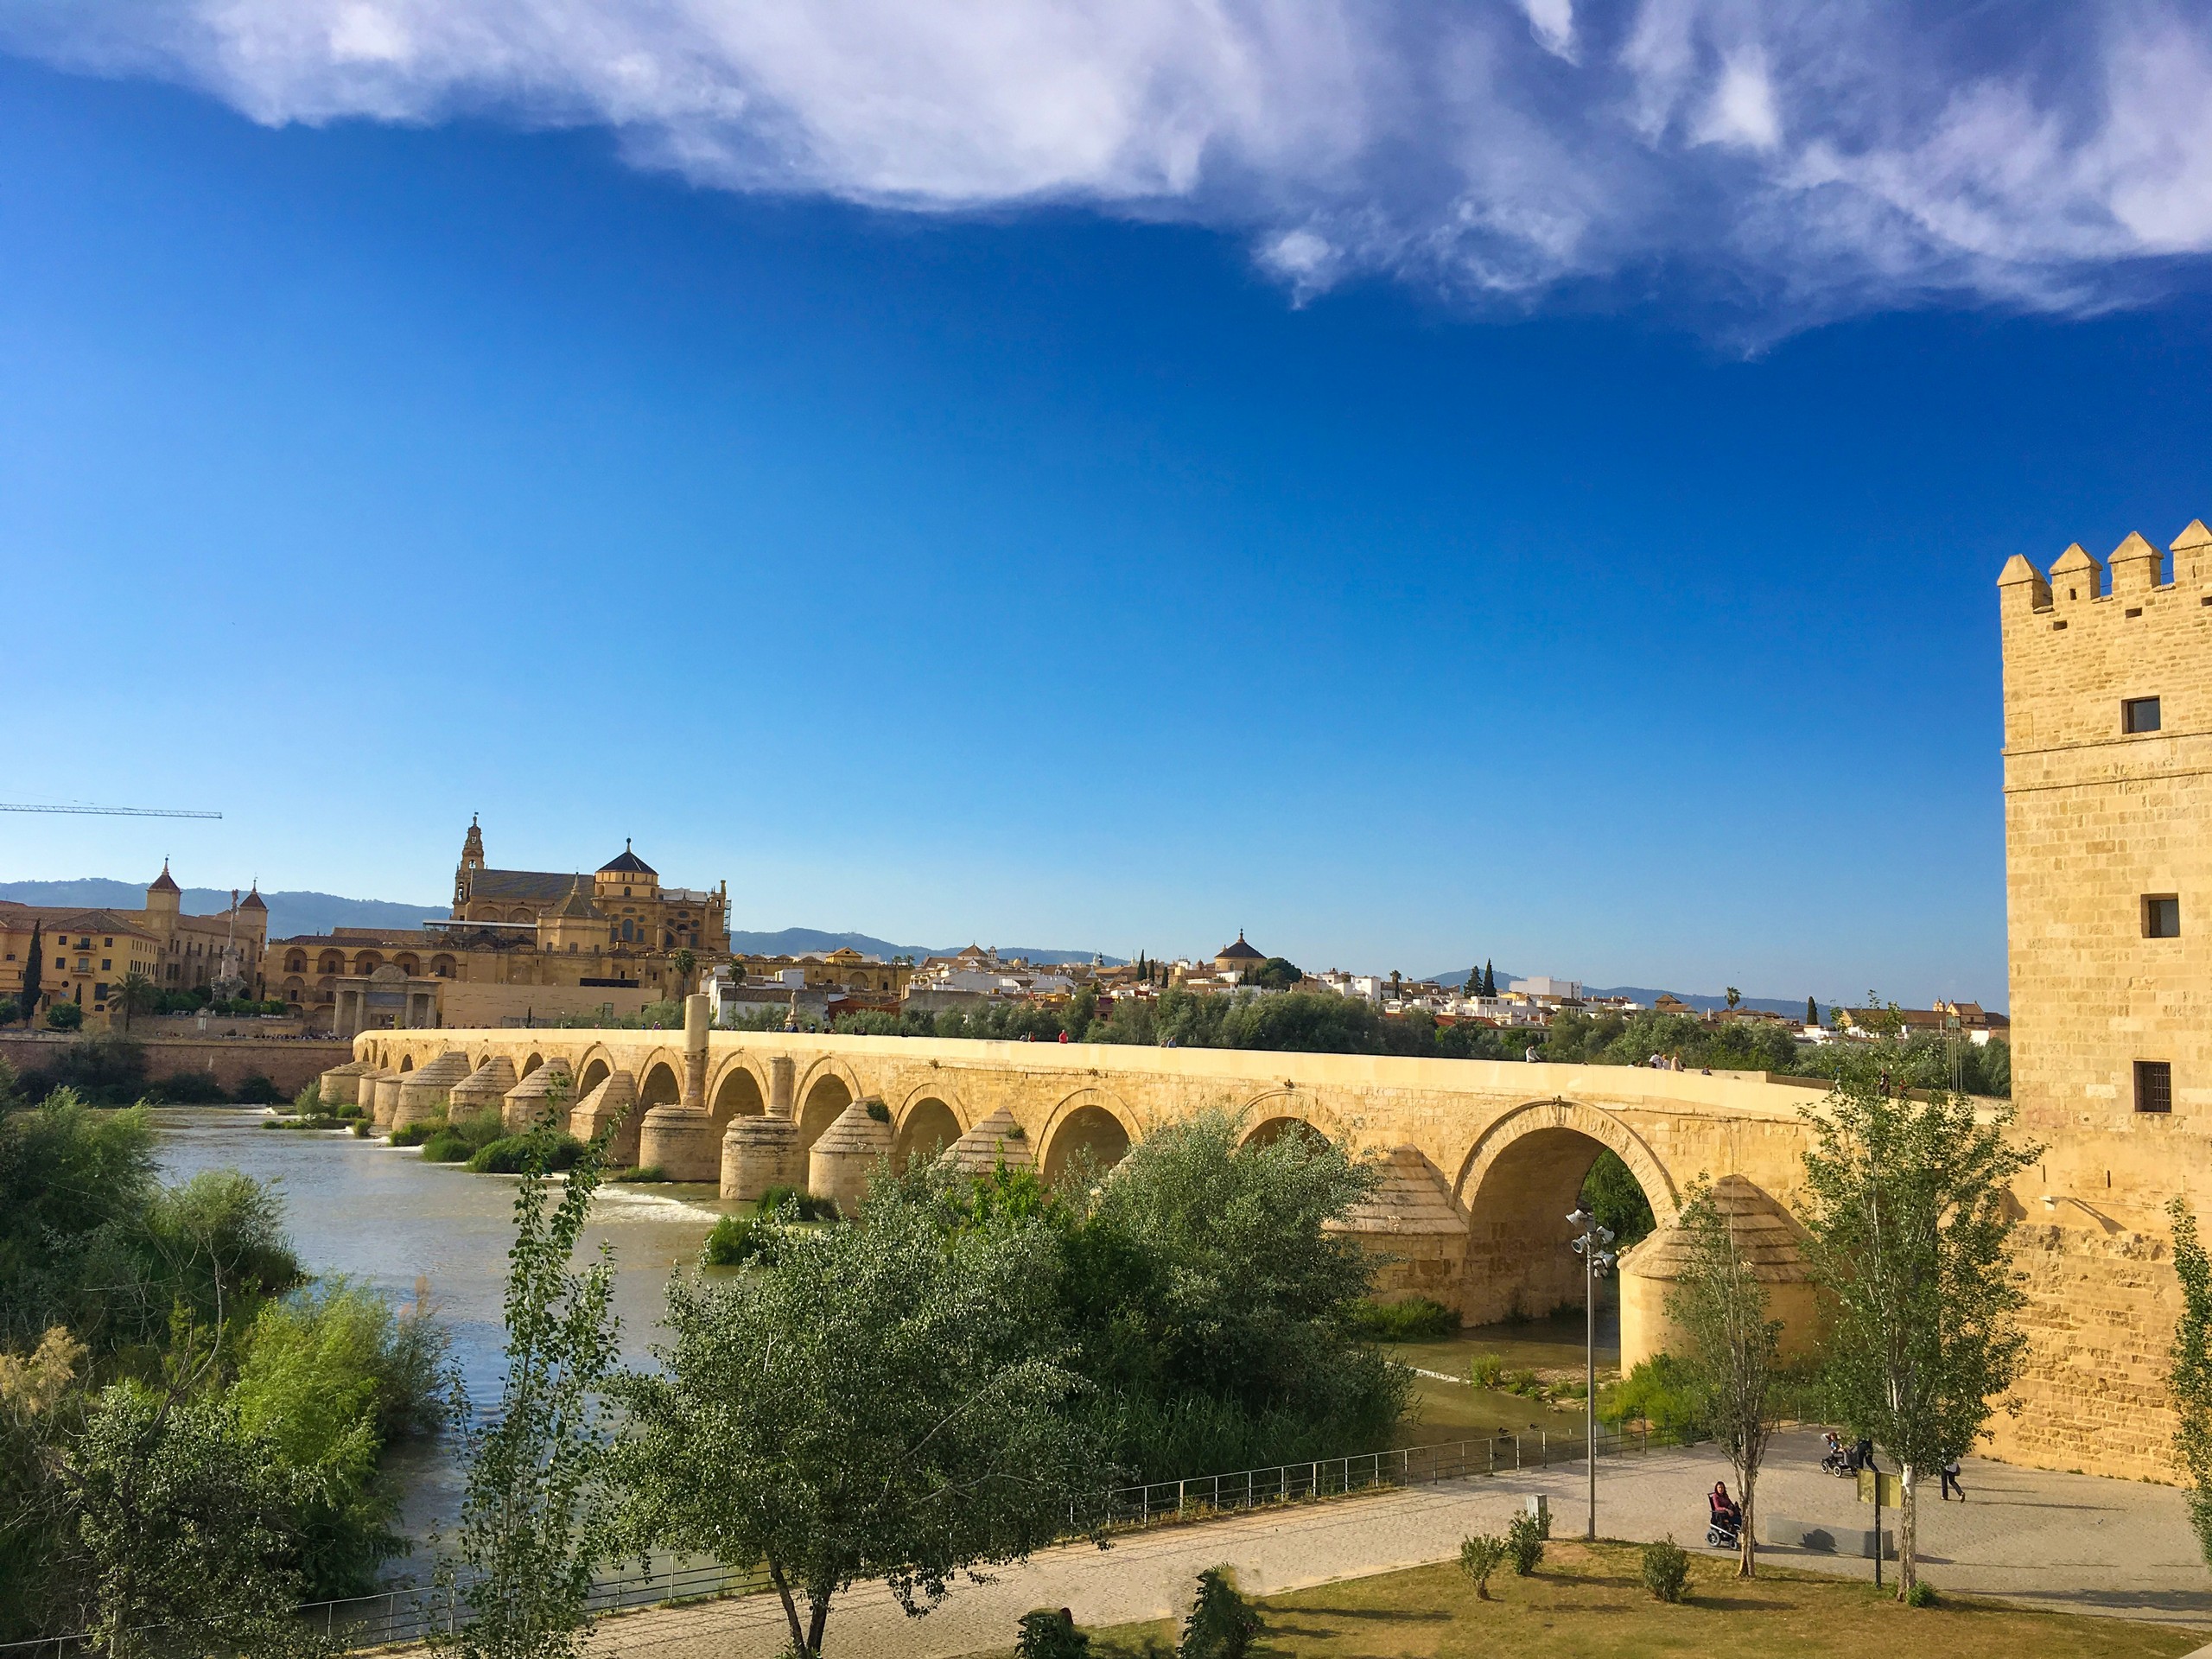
x=110, y=811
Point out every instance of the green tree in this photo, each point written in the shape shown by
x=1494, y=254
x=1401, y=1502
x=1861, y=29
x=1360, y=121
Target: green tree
x=1490, y=980
x=877, y=1401
x=66, y=1016
x=1812, y=1012
x=136, y=995
x=2188, y=1371
x=1277, y=974
x=1909, y=1235
x=683, y=962
x=1612, y=1194
x=181, y=1527
x=33, y=976
x=1731, y=1344
x=1213, y=1307
x=532, y=1526
x=1733, y=995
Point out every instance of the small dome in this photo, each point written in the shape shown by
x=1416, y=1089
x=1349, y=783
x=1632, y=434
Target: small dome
x=626, y=862
x=996, y=1139
x=1239, y=951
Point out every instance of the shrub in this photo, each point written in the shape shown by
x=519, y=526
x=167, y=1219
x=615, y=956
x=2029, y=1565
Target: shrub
x=1415, y=1319
x=363, y=1129
x=1666, y=1569
x=1923, y=1594
x=1524, y=1542
x=414, y=1134
x=811, y=1208
x=1222, y=1623
x=1523, y=1382
x=347, y=1114
x=647, y=1173
x=736, y=1240
x=1660, y=1391
x=1487, y=1371
x=1046, y=1634
x=188, y=1089
x=1478, y=1558
x=254, y=1089
x=64, y=1016
x=878, y=1111
x=509, y=1155
x=445, y=1145
x=309, y=1102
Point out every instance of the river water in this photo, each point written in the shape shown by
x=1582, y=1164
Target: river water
x=381, y=1216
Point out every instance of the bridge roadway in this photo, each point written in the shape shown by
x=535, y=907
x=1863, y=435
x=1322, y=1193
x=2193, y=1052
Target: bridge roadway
x=1483, y=1158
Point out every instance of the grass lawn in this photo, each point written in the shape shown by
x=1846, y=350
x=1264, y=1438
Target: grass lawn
x=1589, y=1602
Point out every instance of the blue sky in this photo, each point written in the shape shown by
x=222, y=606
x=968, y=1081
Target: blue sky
x=1056, y=559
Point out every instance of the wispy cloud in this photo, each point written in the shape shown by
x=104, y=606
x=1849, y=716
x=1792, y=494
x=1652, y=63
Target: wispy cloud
x=1786, y=161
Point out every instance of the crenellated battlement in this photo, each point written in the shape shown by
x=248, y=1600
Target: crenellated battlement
x=2092, y=633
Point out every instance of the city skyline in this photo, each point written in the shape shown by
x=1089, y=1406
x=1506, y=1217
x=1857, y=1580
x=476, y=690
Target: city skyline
x=1053, y=567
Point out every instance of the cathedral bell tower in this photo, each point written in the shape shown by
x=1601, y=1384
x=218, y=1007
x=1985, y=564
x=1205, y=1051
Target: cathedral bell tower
x=472, y=860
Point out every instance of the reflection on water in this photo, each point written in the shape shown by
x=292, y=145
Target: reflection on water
x=384, y=1217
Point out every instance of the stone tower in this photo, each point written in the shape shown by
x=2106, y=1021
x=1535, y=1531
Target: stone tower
x=472, y=860
x=2108, y=893
x=2108, y=834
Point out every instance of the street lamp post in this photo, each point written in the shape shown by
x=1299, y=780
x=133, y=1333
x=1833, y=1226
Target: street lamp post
x=1590, y=1243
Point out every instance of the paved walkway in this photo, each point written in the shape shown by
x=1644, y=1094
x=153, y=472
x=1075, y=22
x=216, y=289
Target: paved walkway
x=2069, y=1543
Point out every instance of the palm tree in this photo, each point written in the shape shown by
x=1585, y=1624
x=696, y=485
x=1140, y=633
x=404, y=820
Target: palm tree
x=136, y=995
x=683, y=962
x=1733, y=995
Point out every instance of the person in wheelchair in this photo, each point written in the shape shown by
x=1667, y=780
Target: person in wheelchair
x=1725, y=1519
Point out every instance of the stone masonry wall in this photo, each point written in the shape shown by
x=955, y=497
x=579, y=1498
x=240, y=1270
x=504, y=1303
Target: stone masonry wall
x=291, y=1065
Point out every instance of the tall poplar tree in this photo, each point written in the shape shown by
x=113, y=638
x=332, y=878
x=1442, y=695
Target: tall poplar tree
x=1908, y=1233
x=1730, y=1342
x=2188, y=1371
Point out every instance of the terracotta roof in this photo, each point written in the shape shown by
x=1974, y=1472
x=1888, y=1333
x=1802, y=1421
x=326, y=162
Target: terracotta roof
x=626, y=862
x=59, y=919
x=162, y=883
x=1239, y=951
x=577, y=905
x=252, y=900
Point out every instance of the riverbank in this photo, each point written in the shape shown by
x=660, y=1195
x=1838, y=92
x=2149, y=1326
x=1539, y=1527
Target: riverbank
x=380, y=1216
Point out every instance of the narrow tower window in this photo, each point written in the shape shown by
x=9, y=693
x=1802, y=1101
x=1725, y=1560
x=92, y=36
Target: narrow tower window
x=2161, y=916
x=2139, y=715
x=2154, y=1086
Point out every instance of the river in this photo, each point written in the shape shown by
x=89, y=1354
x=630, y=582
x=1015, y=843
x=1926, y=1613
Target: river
x=378, y=1216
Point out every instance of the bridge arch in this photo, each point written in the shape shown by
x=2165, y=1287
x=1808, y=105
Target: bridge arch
x=736, y=1091
x=822, y=1092
x=1517, y=1185
x=1276, y=1112
x=597, y=1067
x=927, y=1125
x=660, y=1080
x=1092, y=1120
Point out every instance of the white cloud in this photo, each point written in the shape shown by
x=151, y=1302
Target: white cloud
x=1788, y=159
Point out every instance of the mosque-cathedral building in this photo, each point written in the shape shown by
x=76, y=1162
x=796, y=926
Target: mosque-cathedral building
x=520, y=945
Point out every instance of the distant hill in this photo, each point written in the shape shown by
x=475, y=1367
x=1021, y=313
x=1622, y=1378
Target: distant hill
x=798, y=941
x=288, y=913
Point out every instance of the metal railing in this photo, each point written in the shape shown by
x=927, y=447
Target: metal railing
x=1415, y=1466
x=394, y=1617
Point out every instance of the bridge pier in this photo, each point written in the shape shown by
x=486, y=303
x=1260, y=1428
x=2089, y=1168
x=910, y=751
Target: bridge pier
x=680, y=1136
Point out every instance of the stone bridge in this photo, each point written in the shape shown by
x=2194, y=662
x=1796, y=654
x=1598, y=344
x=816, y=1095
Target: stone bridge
x=1484, y=1160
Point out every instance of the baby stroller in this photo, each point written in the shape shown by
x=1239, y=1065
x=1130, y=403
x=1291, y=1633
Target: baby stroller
x=1843, y=1461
